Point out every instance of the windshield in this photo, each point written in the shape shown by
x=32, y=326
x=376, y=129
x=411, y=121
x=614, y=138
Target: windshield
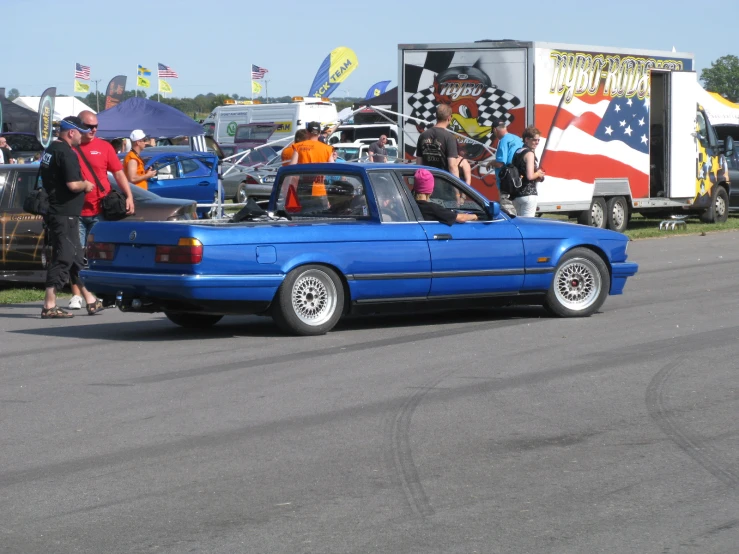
x=255, y=132
x=349, y=153
x=308, y=195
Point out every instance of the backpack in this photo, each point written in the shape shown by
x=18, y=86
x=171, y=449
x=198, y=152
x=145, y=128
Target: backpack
x=510, y=174
x=37, y=201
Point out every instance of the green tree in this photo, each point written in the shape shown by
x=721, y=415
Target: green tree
x=13, y=94
x=723, y=77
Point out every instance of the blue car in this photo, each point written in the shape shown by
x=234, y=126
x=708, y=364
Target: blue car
x=183, y=174
x=349, y=238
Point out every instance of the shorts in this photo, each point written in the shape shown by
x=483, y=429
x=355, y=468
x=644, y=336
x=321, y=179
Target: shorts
x=67, y=256
x=86, y=224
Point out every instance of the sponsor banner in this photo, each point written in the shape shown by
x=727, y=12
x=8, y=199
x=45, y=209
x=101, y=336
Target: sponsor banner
x=337, y=66
x=115, y=90
x=44, y=129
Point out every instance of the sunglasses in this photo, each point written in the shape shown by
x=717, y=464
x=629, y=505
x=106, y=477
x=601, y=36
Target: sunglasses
x=91, y=127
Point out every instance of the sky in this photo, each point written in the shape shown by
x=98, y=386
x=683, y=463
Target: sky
x=211, y=45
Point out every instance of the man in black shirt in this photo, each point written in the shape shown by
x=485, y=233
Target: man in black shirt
x=437, y=147
x=62, y=179
x=423, y=187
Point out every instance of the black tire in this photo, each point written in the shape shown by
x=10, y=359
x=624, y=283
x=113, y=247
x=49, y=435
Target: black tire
x=718, y=212
x=580, y=284
x=596, y=216
x=310, y=301
x=618, y=214
x=193, y=321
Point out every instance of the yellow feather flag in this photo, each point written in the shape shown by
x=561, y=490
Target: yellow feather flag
x=81, y=87
x=256, y=88
x=143, y=82
x=164, y=86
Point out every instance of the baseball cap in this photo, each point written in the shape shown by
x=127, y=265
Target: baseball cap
x=314, y=127
x=497, y=122
x=73, y=122
x=137, y=134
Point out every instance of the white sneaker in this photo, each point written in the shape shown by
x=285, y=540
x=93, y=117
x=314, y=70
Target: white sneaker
x=75, y=303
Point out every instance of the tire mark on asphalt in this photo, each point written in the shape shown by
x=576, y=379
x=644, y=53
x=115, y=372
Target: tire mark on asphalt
x=398, y=452
x=706, y=455
x=606, y=360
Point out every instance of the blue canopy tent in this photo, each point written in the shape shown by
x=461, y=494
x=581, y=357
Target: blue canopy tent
x=154, y=118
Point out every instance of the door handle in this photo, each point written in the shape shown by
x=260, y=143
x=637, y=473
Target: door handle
x=443, y=236
x=204, y=183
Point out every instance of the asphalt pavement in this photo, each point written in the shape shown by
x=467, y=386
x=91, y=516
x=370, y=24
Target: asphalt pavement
x=491, y=431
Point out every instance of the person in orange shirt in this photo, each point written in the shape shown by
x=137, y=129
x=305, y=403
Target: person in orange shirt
x=288, y=151
x=312, y=151
x=133, y=165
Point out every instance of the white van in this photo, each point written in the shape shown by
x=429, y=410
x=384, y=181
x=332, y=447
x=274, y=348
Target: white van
x=288, y=116
x=367, y=133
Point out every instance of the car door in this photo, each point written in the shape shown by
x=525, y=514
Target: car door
x=22, y=233
x=182, y=177
x=475, y=258
x=733, y=163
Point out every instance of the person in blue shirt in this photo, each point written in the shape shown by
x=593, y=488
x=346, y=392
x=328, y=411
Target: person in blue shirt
x=508, y=143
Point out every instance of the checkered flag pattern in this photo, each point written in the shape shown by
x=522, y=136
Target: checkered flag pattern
x=494, y=103
x=423, y=106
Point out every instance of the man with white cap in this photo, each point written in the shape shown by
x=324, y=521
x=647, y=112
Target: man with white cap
x=134, y=165
x=63, y=182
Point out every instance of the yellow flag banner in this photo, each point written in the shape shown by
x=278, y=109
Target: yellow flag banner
x=256, y=88
x=81, y=87
x=164, y=86
x=143, y=82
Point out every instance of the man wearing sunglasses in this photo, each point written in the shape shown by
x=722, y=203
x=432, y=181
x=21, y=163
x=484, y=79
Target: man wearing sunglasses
x=102, y=158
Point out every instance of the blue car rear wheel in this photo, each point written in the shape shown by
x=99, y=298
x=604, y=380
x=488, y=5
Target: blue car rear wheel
x=310, y=301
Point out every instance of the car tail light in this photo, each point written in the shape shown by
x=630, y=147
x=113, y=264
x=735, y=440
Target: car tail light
x=187, y=251
x=99, y=250
x=251, y=180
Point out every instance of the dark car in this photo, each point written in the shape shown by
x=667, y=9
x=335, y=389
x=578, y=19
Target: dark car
x=21, y=242
x=23, y=146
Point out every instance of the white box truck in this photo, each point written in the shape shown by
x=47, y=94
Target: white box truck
x=622, y=130
x=288, y=116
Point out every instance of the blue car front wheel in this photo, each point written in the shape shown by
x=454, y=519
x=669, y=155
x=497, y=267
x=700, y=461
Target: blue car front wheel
x=580, y=285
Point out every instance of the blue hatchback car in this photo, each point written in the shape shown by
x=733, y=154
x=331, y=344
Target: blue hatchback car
x=183, y=174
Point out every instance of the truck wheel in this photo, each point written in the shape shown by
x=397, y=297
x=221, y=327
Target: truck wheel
x=310, y=301
x=580, y=285
x=718, y=212
x=596, y=216
x=618, y=214
x=193, y=321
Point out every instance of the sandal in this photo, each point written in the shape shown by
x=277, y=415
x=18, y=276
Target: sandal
x=55, y=313
x=95, y=307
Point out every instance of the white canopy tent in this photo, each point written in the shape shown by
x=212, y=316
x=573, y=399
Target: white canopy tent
x=63, y=105
x=719, y=110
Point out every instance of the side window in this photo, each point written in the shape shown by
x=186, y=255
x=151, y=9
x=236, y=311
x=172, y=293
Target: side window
x=389, y=200
x=327, y=196
x=191, y=168
x=701, y=128
x=166, y=169
x=25, y=182
x=449, y=195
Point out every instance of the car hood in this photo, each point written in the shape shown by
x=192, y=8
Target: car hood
x=539, y=227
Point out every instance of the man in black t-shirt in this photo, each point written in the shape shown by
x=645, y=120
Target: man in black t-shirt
x=437, y=147
x=62, y=179
x=423, y=187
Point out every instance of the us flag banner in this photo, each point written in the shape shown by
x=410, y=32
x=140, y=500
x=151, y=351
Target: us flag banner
x=599, y=135
x=258, y=72
x=166, y=72
x=82, y=72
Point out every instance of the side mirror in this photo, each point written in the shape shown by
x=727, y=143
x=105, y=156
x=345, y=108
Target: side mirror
x=493, y=210
x=728, y=146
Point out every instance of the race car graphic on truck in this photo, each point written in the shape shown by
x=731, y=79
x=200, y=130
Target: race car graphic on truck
x=464, y=80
